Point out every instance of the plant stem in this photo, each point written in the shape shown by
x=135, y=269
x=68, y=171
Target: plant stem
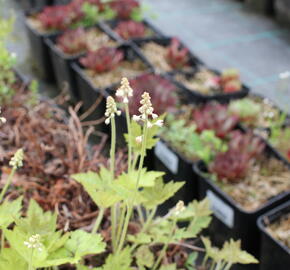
x=228, y=266
x=149, y=220
x=131, y=205
x=163, y=251
x=113, y=148
x=140, y=213
x=98, y=220
x=2, y=241
x=125, y=228
x=112, y=170
x=121, y=224
x=7, y=184
x=128, y=120
x=30, y=265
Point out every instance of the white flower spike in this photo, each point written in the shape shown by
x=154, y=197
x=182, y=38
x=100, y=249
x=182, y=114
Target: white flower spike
x=111, y=110
x=17, y=160
x=147, y=111
x=125, y=91
x=34, y=242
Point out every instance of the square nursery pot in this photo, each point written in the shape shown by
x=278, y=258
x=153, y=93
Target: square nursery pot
x=111, y=24
x=194, y=61
x=35, y=4
x=61, y=63
x=177, y=168
x=197, y=97
x=89, y=93
x=282, y=11
x=232, y=221
x=274, y=254
x=263, y=6
x=39, y=51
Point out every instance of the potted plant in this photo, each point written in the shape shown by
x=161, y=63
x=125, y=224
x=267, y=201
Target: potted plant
x=275, y=247
x=168, y=55
x=181, y=145
x=256, y=112
x=101, y=69
x=205, y=85
x=240, y=185
x=133, y=30
x=49, y=21
x=69, y=46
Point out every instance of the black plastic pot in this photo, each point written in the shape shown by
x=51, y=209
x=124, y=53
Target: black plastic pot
x=230, y=220
x=194, y=61
x=274, y=254
x=195, y=96
x=39, y=51
x=88, y=93
x=35, y=4
x=62, y=65
x=263, y=6
x=111, y=24
x=177, y=168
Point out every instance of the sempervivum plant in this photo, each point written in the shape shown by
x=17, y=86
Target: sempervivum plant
x=124, y=8
x=214, y=116
x=162, y=92
x=102, y=60
x=233, y=165
x=130, y=29
x=177, y=57
x=55, y=17
x=72, y=41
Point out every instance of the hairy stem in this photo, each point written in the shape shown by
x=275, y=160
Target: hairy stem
x=125, y=228
x=98, y=220
x=120, y=224
x=112, y=170
x=165, y=246
x=7, y=184
x=128, y=120
x=130, y=207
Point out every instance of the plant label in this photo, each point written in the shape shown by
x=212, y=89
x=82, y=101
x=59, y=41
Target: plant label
x=168, y=158
x=220, y=209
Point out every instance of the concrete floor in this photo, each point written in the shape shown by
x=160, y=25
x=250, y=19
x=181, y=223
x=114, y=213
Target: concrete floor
x=221, y=32
x=224, y=34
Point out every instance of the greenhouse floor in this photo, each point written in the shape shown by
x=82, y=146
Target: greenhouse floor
x=221, y=32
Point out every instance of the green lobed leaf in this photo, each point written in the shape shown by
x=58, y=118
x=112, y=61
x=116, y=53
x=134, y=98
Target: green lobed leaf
x=82, y=243
x=160, y=192
x=144, y=257
x=9, y=211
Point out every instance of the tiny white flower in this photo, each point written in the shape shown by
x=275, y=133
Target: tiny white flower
x=159, y=123
x=154, y=115
x=139, y=139
x=149, y=124
x=179, y=208
x=136, y=118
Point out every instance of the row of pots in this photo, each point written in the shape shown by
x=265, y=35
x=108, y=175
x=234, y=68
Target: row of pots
x=230, y=220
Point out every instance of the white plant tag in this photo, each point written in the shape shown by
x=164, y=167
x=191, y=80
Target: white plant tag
x=168, y=158
x=220, y=209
